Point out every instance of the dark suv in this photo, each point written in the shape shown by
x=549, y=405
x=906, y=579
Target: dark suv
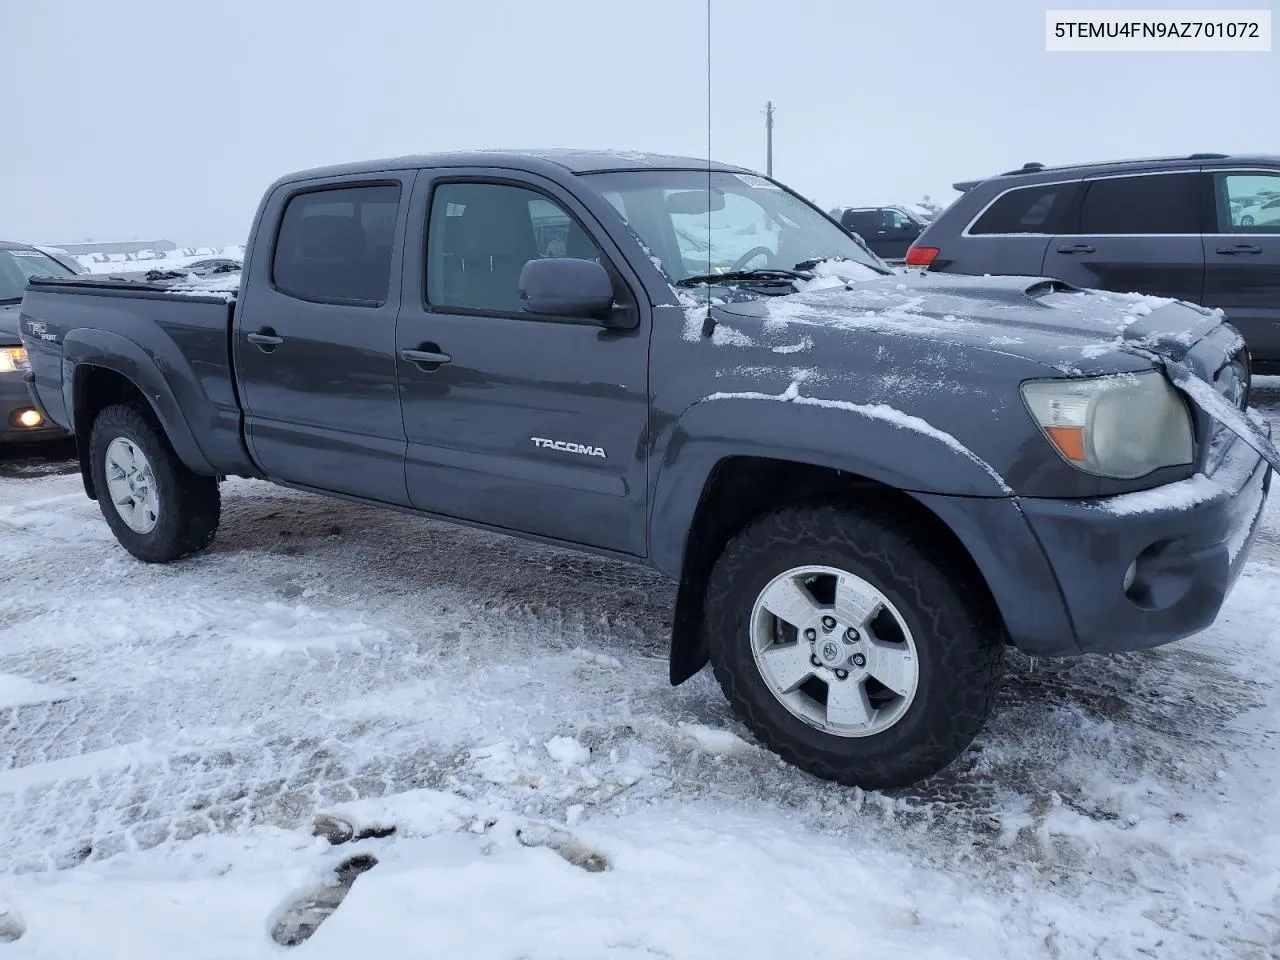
x=888, y=231
x=1203, y=228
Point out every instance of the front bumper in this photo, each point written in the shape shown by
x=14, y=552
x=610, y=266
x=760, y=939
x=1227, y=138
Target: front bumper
x=14, y=397
x=1144, y=569
x=1057, y=569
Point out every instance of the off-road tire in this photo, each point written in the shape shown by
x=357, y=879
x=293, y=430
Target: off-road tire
x=190, y=506
x=958, y=636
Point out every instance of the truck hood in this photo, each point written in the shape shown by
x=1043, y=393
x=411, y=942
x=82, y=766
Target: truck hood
x=9, y=324
x=1073, y=330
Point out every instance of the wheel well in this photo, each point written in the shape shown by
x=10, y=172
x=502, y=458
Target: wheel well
x=95, y=389
x=740, y=489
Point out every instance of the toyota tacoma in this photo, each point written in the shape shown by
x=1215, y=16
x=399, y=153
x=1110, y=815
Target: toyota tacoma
x=866, y=483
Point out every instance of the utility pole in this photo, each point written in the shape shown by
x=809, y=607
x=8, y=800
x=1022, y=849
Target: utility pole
x=768, y=133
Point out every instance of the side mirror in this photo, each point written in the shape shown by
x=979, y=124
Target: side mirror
x=567, y=287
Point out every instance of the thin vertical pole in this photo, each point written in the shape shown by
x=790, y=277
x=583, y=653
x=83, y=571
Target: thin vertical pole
x=768, y=132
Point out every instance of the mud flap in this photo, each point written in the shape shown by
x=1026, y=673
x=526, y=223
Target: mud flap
x=1256, y=435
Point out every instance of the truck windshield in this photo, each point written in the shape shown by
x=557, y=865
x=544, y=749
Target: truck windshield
x=19, y=266
x=699, y=224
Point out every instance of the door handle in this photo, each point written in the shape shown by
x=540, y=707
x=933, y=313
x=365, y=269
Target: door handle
x=265, y=339
x=1076, y=248
x=1239, y=248
x=427, y=355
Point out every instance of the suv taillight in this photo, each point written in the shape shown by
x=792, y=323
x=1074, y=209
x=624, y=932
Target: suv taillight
x=921, y=256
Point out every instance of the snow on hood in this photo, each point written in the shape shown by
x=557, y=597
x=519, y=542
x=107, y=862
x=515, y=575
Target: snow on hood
x=1030, y=317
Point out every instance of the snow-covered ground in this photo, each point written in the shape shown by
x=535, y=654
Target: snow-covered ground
x=159, y=261
x=171, y=733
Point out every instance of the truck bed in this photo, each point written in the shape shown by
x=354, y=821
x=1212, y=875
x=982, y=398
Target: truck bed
x=175, y=332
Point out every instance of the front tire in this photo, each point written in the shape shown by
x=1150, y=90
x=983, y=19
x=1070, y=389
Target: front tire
x=157, y=508
x=850, y=646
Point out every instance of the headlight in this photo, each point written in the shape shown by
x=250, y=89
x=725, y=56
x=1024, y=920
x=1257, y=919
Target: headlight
x=13, y=360
x=1122, y=426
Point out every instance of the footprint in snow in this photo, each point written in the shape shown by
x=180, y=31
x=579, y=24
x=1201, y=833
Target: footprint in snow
x=300, y=920
x=569, y=847
x=338, y=831
x=11, y=927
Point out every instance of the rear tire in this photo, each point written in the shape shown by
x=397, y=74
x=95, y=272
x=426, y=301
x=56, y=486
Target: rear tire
x=812, y=690
x=157, y=508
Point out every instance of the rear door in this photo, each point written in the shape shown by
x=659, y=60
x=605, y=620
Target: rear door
x=531, y=424
x=862, y=222
x=1242, y=259
x=1136, y=233
x=315, y=337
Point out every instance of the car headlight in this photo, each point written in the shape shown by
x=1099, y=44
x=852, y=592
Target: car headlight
x=1122, y=426
x=13, y=360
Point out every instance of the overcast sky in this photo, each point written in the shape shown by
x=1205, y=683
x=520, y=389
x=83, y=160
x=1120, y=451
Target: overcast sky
x=143, y=119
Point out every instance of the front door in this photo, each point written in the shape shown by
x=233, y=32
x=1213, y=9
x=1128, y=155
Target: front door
x=1133, y=234
x=529, y=424
x=315, y=336
x=1242, y=260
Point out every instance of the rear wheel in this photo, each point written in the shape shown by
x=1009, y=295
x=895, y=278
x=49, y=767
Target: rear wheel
x=849, y=646
x=157, y=508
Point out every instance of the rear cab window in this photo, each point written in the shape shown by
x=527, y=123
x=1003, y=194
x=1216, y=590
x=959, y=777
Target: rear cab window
x=335, y=243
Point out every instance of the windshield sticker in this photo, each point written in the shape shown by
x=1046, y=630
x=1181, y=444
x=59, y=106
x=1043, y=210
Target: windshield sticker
x=754, y=181
x=24, y=253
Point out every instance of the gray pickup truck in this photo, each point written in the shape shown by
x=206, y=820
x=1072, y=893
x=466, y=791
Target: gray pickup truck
x=866, y=483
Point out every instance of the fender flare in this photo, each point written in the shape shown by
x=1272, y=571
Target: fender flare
x=901, y=452
x=111, y=351
x=885, y=446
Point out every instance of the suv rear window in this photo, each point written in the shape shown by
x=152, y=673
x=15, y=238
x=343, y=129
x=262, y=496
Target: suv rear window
x=1153, y=204
x=1037, y=209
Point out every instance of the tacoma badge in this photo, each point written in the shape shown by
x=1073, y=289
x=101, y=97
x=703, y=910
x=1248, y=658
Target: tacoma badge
x=569, y=446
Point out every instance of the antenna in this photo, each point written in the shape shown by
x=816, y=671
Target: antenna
x=708, y=154
x=768, y=138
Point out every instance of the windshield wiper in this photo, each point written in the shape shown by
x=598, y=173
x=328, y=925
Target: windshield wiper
x=814, y=261
x=763, y=275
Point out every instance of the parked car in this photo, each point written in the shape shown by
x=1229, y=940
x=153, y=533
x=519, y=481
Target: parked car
x=856, y=533
x=214, y=265
x=183, y=271
x=888, y=231
x=64, y=258
x=1197, y=228
x=19, y=417
x=1262, y=213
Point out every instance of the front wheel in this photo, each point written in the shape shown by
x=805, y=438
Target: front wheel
x=849, y=646
x=157, y=508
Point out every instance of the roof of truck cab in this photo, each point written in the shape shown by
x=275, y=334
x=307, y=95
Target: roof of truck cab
x=529, y=161
x=14, y=245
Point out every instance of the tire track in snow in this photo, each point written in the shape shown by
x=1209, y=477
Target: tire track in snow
x=231, y=678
